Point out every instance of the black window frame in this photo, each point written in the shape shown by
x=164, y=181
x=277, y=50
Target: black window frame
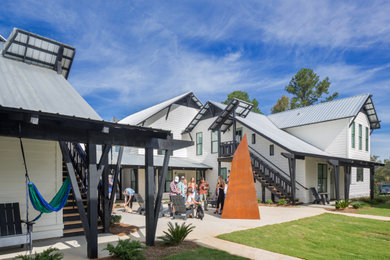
x=324, y=182
x=253, y=138
x=360, y=137
x=214, y=141
x=199, y=144
x=226, y=173
x=359, y=174
x=168, y=180
x=271, y=150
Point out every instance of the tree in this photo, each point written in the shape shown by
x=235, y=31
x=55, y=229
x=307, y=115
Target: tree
x=281, y=105
x=382, y=173
x=244, y=97
x=307, y=89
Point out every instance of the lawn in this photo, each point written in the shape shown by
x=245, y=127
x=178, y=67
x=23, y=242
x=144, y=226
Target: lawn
x=201, y=253
x=378, y=209
x=327, y=236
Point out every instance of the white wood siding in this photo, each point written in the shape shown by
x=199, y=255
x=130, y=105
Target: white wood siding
x=329, y=136
x=361, y=188
x=44, y=162
x=178, y=118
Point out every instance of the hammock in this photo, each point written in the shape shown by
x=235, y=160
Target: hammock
x=56, y=204
x=38, y=202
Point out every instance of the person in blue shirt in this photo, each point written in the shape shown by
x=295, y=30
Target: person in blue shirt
x=129, y=197
x=183, y=187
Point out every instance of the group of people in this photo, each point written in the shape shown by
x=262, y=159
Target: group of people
x=191, y=192
x=196, y=194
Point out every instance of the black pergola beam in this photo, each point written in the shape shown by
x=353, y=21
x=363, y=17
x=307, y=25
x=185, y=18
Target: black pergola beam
x=149, y=196
x=347, y=181
x=115, y=182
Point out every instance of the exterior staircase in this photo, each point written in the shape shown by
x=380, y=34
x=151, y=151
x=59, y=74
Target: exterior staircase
x=71, y=217
x=272, y=177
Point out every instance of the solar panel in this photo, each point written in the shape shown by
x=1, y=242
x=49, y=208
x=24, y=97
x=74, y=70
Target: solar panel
x=38, y=50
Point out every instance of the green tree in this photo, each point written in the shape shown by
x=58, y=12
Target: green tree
x=244, y=97
x=281, y=105
x=307, y=89
x=382, y=173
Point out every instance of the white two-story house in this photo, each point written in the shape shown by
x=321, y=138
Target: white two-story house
x=324, y=146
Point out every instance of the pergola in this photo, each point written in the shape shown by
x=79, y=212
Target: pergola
x=67, y=129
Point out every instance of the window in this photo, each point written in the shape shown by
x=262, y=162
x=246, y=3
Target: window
x=214, y=142
x=359, y=174
x=162, y=152
x=366, y=138
x=134, y=180
x=238, y=135
x=360, y=137
x=322, y=178
x=253, y=138
x=199, y=143
x=353, y=135
x=223, y=173
x=271, y=150
x=168, y=180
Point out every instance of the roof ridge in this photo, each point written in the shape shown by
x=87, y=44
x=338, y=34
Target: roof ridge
x=317, y=104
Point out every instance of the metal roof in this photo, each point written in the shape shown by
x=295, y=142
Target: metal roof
x=141, y=116
x=327, y=111
x=30, y=87
x=264, y=127
x=38, y=50
x=225, y=119
x=132, y=158
x=2, y=39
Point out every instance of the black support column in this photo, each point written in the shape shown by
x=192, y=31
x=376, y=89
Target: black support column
x=149, y=195
x=336, y=166
x=347, y=181
x=262, y=193
x=292, y=168
x=92, y=194
x=234, y=131
x=372, y=182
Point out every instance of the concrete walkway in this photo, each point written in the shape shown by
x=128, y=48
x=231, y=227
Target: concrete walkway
x=361, y=215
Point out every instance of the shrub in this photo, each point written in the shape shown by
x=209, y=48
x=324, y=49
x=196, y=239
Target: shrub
x=48, y=254
x=357, y=205
x=127, y=249
x=342, y=204
x=115, y=219
x=176, y=234
x=282, y=202
x=258, y=200
x=269, y=202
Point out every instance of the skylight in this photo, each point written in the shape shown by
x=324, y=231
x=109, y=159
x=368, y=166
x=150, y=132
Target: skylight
x=34, y=49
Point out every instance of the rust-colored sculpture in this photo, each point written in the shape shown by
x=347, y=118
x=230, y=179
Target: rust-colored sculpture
x=241, y=200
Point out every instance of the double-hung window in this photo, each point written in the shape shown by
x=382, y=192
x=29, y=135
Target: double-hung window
x=199, y=143
x=367, y=138
x=360, y=137
x=271, y=150
x=322, y=178
x=359, y=175
x=353, y=135
x=214, y=142
x=253, y=138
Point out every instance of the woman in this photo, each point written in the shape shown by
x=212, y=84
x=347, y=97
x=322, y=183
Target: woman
x=220, y=192
x=192, y=185
x=191, y=197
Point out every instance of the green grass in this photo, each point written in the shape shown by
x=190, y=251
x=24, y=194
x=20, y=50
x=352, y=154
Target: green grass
x=378, y=210
x=201, y=253
x=327, y=236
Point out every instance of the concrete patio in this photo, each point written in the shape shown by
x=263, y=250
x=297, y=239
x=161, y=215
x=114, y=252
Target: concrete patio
x=204, y=233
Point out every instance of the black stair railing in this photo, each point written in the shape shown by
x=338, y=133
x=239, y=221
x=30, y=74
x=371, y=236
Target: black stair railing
x=80, y=164
x=226, y=149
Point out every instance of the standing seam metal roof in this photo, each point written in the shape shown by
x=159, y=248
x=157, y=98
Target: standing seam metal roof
x=35, y=88
x=332, y=110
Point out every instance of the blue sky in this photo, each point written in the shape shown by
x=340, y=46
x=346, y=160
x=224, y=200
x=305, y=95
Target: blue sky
x=133, y=54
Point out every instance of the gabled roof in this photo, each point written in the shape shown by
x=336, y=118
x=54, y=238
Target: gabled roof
x=263, y=126
x=30, y=87
x=2, y=39
x=327, y=111
x=141, y=116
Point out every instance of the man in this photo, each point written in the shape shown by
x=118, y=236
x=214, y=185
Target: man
x=129, y=198
x=203, y=191
x=174, y=191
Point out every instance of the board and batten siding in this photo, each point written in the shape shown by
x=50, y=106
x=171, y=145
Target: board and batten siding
x=330, y=136
x=178, y=119
x=361, y=188
x=44, y=162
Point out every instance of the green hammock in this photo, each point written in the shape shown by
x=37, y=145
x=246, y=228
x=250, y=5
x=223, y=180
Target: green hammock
x=56, y=204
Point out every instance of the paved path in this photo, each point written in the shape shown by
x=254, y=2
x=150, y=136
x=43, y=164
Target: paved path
x=361, y=215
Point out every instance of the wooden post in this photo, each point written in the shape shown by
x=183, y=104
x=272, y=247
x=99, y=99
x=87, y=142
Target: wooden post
x=372, y=182
x=149, y=194
x=92, y=243
x=347, y=181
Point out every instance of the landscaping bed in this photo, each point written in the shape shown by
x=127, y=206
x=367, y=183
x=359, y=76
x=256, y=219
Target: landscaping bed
x=326, y=236
x=121, y=229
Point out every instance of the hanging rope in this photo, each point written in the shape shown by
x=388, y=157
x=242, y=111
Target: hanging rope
x=38, y=202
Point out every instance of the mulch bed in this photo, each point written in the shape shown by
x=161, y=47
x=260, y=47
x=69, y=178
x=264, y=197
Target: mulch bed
x=160, y=250
x=275, y=205
x=347, y=210
x=121, y=229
